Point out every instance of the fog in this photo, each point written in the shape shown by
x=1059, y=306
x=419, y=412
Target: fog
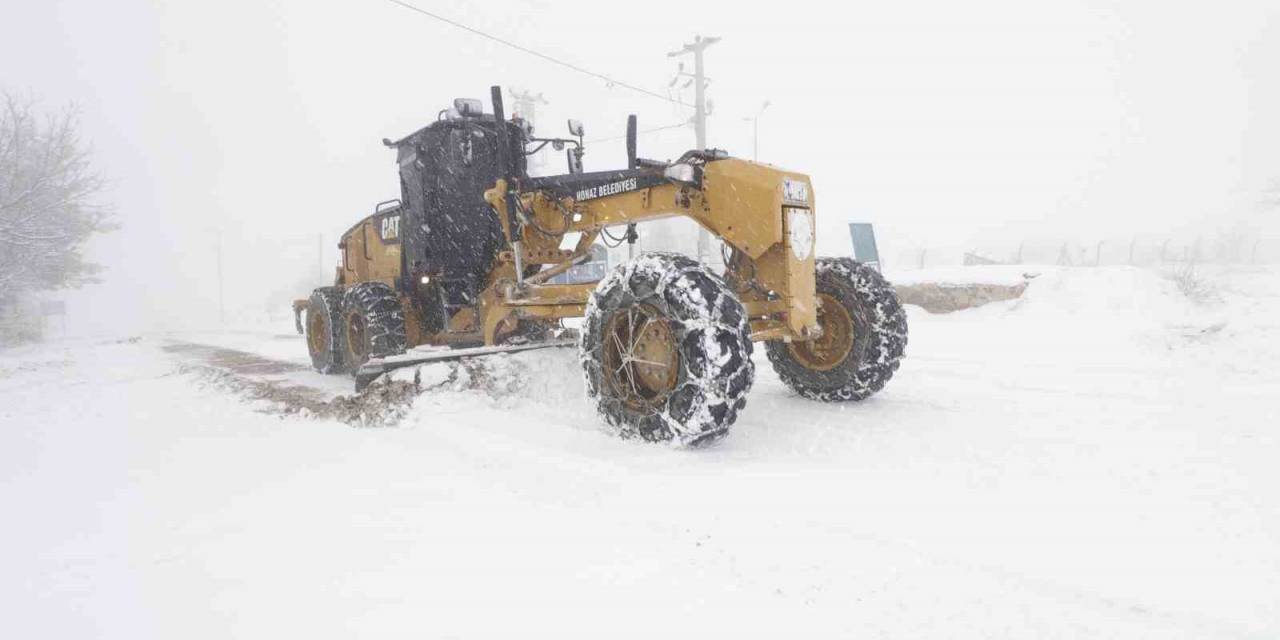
x=256, y=125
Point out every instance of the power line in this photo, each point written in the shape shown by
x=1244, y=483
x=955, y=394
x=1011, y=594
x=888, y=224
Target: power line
x=653, y=130
x=544, y=56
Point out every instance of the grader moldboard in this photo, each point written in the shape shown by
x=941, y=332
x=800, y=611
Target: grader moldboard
x=463, y=260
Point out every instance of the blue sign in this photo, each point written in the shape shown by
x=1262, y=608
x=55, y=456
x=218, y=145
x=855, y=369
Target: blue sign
x=864, y=244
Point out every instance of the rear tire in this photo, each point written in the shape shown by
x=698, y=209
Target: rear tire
x=324, y=317
x=372, y=324
x=666, y=351
x=863, y=306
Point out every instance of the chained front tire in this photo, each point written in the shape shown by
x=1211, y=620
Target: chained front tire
x=324, y=318
x=666, y=350
x=373, y=324
x=864, y=336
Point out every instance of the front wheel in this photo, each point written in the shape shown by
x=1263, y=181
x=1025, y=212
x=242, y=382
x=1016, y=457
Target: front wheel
x=666, y=349
x=864, y=336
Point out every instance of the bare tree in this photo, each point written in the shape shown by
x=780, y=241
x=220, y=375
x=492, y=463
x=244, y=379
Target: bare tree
x=48, y=199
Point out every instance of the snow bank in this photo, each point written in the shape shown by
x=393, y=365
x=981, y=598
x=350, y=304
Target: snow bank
x=1112, y=315
x=1132, y=309
x=1007, y=275
x=1103, y=293
x=947, y=289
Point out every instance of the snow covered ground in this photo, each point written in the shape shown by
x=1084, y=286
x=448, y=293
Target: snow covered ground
x=1096, y=459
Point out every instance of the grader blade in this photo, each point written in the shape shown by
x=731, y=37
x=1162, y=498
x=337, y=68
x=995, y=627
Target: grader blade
x=371, y=370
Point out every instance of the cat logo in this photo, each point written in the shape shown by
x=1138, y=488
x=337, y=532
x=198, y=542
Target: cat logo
x=389, y=230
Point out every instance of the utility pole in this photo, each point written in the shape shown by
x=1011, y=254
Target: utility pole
x=755, y=131
x=700, y=82
x=526, y=106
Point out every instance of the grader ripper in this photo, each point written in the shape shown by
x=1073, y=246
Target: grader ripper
x=463, y=259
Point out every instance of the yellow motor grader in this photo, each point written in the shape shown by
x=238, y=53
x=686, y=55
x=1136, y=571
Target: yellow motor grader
x=464, y=259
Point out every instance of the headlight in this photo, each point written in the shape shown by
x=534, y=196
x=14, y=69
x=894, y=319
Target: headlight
x=800, y=231
x=795, y=191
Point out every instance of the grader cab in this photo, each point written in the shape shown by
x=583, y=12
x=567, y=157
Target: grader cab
x=465, y=258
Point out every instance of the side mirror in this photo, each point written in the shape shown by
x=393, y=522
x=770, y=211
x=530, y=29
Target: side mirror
x=575, y=160
x=575, y=128
x=468, y=107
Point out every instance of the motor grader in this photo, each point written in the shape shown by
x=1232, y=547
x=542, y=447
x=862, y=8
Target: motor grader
x=462, y=262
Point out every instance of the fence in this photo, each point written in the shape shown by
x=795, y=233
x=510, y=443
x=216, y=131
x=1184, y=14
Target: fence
x=1133, y=251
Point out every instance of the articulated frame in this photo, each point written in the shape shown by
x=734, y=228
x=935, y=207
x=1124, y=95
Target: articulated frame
x=741, y=202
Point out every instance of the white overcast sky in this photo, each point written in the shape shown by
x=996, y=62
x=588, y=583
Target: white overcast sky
x=945, y=123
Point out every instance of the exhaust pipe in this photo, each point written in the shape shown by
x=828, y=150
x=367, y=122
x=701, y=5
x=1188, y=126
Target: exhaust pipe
x=631, y=142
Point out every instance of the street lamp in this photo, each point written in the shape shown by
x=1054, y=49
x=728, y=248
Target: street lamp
x=755, y=131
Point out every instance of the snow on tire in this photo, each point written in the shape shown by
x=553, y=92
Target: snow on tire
x=666, y=350
x=864, y=336
x=373, y=324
